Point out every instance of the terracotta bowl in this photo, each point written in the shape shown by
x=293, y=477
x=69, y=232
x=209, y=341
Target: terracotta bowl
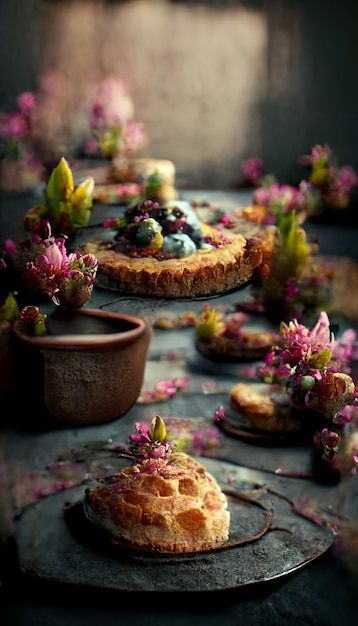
x=89, y=367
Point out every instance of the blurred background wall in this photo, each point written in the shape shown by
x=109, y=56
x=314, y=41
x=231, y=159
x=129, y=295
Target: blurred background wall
x=215, y=82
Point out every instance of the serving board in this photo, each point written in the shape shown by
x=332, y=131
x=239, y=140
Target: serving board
x=53, y=547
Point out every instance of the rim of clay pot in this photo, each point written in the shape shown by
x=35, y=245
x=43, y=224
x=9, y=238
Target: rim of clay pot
x=96, y=340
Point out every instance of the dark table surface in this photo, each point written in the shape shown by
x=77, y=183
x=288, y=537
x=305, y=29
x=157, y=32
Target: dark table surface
x=319, y=591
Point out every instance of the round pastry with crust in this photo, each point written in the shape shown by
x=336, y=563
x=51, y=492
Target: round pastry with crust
x=166, y=502
x=266, y=406
x=224, y=337
x=168, y=252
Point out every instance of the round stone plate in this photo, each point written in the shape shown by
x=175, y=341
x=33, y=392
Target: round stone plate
x=268, y=540
x=236, y=424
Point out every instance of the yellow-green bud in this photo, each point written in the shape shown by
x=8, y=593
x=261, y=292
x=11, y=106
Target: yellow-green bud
x=159, y=432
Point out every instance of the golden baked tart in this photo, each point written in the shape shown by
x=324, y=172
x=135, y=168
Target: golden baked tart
x=168, y=252
x=165, y=502
x=224, y=336
x=266, y=406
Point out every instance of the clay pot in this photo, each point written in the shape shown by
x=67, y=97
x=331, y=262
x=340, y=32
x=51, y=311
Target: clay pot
x=91, y=364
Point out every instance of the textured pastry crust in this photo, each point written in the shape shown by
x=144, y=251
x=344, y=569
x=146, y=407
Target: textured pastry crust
x=179, y=510
x=266, y=407
x=204, y=273
x=254, y=398
x=249, y=346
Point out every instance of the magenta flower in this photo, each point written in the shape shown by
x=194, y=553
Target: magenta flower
x=328, y=442
x=65, y=278
x=281, y=198
x=18, y=129
x=10, y=248
x=291, y=290
x=144, y=436
x=27, y=102
x=134, y=136
x=149, y=446
x=333, y=183
x=163, y=390
x=314, y=372
x=345, y=349
x=320, y=155
x=111, y=121
x=219, y=414
x=341, y=180
x=252, y=170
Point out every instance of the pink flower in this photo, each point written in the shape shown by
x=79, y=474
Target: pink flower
x=328, y=440
x=27, y=102
x=134, y=136
x=10, y=247
x=163, y=390
x=312, y=376
x=143, y=437
x=151, y=451
x=13, y=126
x=55, y=254
x=345, y=349
x=113, y=103
x=219, y=414
x=111, y=121
x=341, y=180
x=319, y=155
x=91, y=147
x=321, y=336
x=252, y=170
x=63, y=277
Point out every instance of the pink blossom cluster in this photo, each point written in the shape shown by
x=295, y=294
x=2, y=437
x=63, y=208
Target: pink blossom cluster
x=46, y=266
x=332, y=180
x=163, y=390
x=252, y=170
x=313, y=367
x=143, y=445
x=18, y=130
x=111, y=121
x=150, y=449
x=280, y=199
x=18, y=125
x=341, y=180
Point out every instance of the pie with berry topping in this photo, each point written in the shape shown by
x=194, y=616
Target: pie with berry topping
x=168, y=252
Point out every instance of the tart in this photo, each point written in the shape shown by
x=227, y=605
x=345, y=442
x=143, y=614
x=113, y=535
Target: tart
x=251, y=346
x=225, y=337
x=165, y=502
x=265, y=406
x=167, y=252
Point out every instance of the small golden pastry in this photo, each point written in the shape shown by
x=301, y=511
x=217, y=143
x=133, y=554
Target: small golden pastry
x=266, y=406
x=166, y=502
x=220, y=336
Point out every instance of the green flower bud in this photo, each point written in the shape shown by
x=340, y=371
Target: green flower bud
x=159, y=432
x=321, y=359
x=40, y=326
x=307, y=382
